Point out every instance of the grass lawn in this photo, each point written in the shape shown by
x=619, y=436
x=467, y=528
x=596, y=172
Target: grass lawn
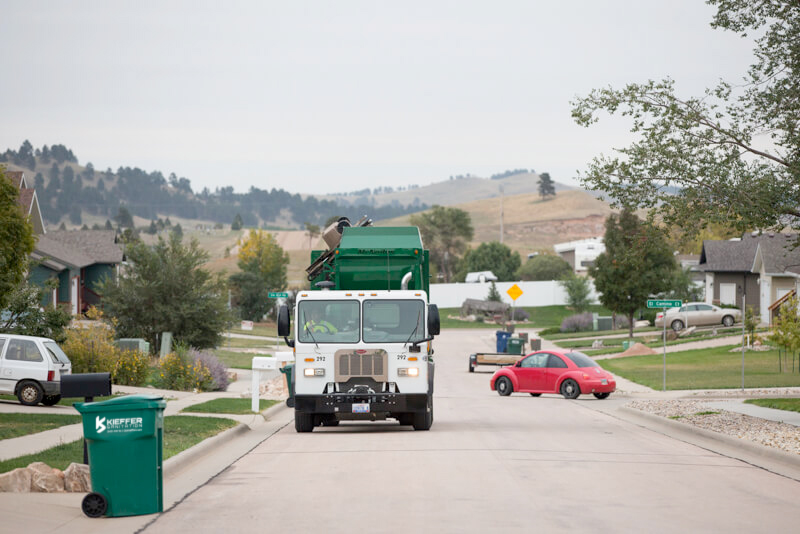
x=62, y=402
x=14, y=425
x=232, y=406
x=540, y=317
x=180, y=433
x=238, y=360
x=259, y=329
x=792, y=405
x=715, y=368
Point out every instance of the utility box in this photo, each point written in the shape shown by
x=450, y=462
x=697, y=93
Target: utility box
x=135, y=344
x=604, y=323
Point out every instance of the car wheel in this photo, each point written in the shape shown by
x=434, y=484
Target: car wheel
x=94, y=505
x=570, y=389
x=536, y=394
x=51, y=400
x=677, y=325
x=602, y=396
x=303, y=422
x=30, y=393
x=503, y=386
x=727, y=320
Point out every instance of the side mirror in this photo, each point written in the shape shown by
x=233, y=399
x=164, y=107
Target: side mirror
x=284, y=324
x=433, y=320
x=518, y=364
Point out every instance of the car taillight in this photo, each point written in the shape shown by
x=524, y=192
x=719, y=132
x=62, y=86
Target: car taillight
x=51, y=375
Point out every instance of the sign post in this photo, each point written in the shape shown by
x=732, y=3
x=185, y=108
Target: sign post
x=514, y=292
x=278, y=296
x=664, y=304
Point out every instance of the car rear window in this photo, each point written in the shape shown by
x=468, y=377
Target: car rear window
x=56, y=354
x=581, y=360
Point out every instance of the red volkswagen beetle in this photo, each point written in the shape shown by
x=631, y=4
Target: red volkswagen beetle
x=568, y=373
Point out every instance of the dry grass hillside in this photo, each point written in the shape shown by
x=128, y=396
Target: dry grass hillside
x=531, y=224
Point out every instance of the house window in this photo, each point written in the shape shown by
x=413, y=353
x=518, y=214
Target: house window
x=727, y=294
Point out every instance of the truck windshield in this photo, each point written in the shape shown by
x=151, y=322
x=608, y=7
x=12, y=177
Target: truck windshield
x=393, y=321
x=328, y=321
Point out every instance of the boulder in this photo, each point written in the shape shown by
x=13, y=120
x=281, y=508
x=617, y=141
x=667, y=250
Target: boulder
x=45, y=479
x=16, y=481
x=77, y=479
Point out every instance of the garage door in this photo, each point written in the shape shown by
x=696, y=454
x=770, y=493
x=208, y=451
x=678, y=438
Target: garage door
x=727, y=294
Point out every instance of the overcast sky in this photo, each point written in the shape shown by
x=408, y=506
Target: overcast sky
x=328, y=96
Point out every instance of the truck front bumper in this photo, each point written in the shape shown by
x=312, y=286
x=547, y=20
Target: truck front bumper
x=379, y=403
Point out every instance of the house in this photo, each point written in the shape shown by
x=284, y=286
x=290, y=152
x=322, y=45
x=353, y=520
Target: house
x=777, y=261
x=755, y=270
x=76, y=259
x=480, y=276
x=581, y=254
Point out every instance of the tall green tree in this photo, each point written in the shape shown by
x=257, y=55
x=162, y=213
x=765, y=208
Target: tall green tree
x=637, y=263
x=578, y=290
x=165, y=289
x=730, y=156
x=544, y=267
x=313, y=231
x=492, y=256
x=237, y=222
x=16, y=239
x=445, y=233
x=124, y=218
x=546, y=186
x=263, y=263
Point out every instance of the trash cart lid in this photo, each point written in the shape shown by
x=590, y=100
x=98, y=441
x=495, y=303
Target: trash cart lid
x=124, y=402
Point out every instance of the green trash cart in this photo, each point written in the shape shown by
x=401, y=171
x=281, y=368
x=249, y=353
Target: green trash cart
x=288, y=370
x=515, y=345
x=125, y=437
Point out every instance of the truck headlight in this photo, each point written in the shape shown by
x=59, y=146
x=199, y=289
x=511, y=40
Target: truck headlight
x=310, y=371
x=408, y=371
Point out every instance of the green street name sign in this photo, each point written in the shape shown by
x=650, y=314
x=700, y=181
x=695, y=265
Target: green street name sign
x=281, y=295
x=654, y=303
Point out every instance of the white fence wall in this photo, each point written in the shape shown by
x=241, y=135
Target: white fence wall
x=533, y=293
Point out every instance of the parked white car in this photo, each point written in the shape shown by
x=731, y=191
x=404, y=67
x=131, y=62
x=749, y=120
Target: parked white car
x=698, y=314
x=31, y=368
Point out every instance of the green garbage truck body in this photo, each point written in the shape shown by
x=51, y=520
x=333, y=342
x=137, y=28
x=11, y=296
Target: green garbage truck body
x=362, y=335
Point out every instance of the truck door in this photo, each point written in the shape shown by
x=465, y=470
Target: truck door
x=23, y=360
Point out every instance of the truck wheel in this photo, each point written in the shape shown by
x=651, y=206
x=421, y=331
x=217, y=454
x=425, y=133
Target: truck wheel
x=51, y=400
x=30, y=393
x=303, y=422
x=424, y=420
x=330, y=421
x=406, y=419
x=471, y=369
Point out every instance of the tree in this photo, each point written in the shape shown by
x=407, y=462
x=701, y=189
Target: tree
x=578, y=290
x=152, y=229
x=313, y=231
x=16, y=240
x=237, y=222
x=165, y=289
x=445, y=232
x=177, y=230
x=546, y=186
x=786, y=327
x=261, y=254
x=731, y=156
x=636, y=264
x=682, y=287
x=25, y=315
x=124, y=218
x=492, y=256
x=544, y=267
x=494, y=294
x=108, y=225
x=250, y=291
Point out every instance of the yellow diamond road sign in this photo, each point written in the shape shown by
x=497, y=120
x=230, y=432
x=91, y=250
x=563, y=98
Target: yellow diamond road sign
x=514, y=292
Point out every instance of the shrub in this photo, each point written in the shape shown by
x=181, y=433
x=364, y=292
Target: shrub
x=173, y=372
x=217, y=369
x=577, y=323
x=550, y=331
x=520, y=315
x=90, y=346
x=131, y=368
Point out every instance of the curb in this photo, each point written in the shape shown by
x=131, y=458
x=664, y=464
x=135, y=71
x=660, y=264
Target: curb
x=754, y=453
x=274, y=409
x=177, y=462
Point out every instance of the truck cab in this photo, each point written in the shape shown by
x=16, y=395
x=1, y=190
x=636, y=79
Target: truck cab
x=362, y=337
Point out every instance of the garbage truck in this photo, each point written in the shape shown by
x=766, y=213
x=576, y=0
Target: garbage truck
x=362, y=335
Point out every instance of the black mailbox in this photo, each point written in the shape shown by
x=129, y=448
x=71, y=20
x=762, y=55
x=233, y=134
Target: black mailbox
x=86, y=385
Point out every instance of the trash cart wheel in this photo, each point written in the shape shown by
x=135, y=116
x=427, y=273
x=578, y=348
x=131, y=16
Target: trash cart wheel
x=94, y=505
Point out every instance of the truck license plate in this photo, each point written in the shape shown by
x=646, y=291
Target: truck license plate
x=361, y=407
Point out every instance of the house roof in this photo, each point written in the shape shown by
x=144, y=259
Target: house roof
x=17, y=178
x=25, y=200
x=730, y=256
x=80, y=248
x=779, y=254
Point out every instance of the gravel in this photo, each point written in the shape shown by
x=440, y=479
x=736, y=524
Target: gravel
x=698, y=413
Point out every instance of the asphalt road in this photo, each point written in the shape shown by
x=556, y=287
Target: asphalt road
x=489, y=464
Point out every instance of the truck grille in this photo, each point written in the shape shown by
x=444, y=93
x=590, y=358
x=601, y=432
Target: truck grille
x=369, y=363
